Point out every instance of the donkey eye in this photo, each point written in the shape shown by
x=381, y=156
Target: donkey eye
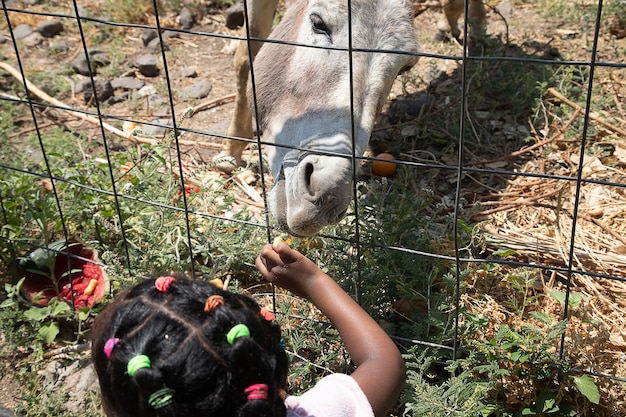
x=319, y=26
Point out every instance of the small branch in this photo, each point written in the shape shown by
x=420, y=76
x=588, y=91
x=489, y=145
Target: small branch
x=216, y=102
x=67, y=349
x=598, y=119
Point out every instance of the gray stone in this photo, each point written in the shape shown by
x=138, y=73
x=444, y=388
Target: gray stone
x=60, y=46
x=409, y=107
x=80, y=382
x=81, y=85
x=234, y=16
x=155, y=45
x=197, y=90
x=170, y=34
x=22, y=31
x=186, y=18
x=162, y=112
x=156, y=100
x=50, y=28
x=147, y=35
x=127, y=83
x=157, y=130
x=5, y=412
x=146, y=91
x=117, y=99
x=187, y=72
x=103, y=90
x=4, y=37
x=33, y=39
x=97, y=59
x=147, y=65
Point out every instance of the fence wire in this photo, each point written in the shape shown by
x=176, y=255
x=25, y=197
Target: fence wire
x=33, y=109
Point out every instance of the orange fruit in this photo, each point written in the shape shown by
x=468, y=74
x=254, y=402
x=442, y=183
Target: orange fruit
x=384, y=168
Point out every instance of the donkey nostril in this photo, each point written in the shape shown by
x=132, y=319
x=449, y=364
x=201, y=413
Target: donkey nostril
x=308, y=174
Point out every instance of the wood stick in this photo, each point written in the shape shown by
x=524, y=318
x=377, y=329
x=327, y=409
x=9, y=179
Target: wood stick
x=598, y=119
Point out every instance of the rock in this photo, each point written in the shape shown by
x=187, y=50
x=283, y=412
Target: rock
x=103, y=90
x=146, y=91
x=58, y=47
x=5, y=412
x=80, y=382
x=33, y=39
x=147, y=35
x=158, y=129
x=97, y=59
x=50, y=28
x=505, y=9
x=409, y=107
x=187, y=72
x=3, y=36
x=156, y=100
x=80, y=85
x=170, y=34
x=117, y=99
x=197, y=90
x=186, y=18
x=155, y=45
x=234, y=16
x=147, y=65
x=127, y=83
x=22, y=31
x=51, y=373
x=162, y=112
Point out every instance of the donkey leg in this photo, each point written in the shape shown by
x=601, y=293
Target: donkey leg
x=448, y=22
x=477, y=13
x=452, y=11
x=260, y=19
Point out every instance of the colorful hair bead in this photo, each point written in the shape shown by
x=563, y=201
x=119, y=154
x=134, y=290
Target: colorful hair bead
x=239, y=330
x=161, y=398
x=136, y=363
x=163, y=283
x=109, y=345
x=256, y=392
x=267, y=315
x=213, y=302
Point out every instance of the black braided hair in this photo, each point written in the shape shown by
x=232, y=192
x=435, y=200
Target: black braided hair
x=193, y=370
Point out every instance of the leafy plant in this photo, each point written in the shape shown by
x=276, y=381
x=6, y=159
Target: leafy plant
x=524, y=360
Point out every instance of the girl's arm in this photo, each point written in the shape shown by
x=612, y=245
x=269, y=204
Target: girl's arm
x=380, y=369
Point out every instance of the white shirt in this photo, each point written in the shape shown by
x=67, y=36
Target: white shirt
x=336, y=395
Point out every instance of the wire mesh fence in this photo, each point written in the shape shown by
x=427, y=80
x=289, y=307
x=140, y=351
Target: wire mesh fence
x=505, y=212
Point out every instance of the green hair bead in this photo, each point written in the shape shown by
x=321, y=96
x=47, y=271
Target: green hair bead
x=161, y=398
x=239, y=330
x=136, y=363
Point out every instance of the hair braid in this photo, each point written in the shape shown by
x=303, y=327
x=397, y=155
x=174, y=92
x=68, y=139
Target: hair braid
x=191, y=369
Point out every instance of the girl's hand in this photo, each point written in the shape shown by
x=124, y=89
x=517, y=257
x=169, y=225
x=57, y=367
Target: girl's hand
x=287, y=268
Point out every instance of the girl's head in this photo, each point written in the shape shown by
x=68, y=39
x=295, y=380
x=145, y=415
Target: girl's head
x=177, y=347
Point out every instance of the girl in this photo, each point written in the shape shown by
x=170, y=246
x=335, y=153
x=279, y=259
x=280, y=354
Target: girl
x=181, y=348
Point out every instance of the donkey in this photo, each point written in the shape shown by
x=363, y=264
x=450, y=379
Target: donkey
x=317, y=104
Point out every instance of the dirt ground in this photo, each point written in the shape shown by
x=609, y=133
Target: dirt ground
x=211, y=58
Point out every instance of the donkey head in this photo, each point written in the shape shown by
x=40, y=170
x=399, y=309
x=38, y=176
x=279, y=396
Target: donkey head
x=318, y=100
